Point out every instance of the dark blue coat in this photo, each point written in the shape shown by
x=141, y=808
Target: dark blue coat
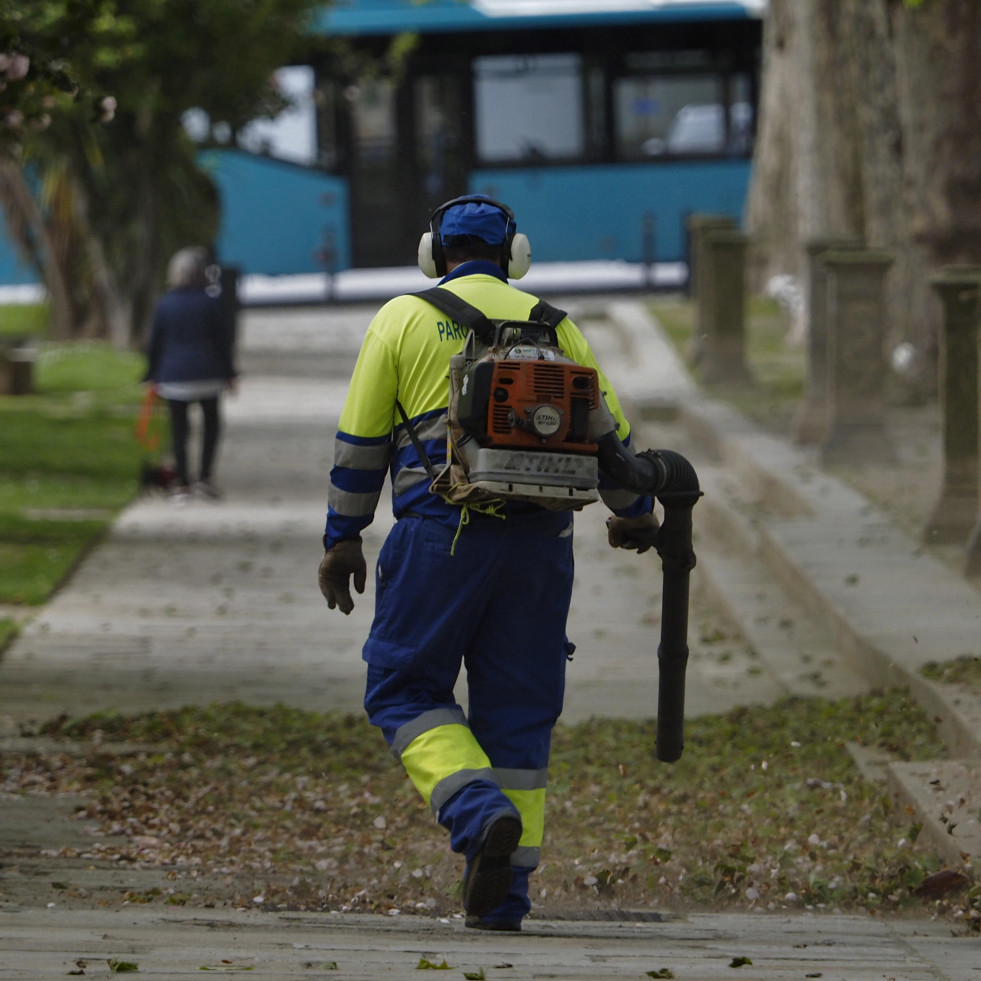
x=191, y=338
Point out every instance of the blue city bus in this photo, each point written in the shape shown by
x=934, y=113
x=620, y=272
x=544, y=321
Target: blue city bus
x=602, y=123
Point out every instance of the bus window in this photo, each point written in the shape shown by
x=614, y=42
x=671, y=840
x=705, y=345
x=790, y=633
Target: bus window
x=379, y=183
x=528, y=108
x=680, y=104
x=440, y=137
x=647, y=107
x=333, y=133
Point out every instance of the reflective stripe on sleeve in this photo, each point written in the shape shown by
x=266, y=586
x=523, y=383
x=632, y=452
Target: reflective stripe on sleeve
x=409, y=469
x=428, y=427
x=352, y=505
x=356, y=481
x=361, y=456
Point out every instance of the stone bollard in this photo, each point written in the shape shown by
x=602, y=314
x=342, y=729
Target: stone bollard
x=954, y=514
x=699, y=225
x=723, y=283
x=17, y=370
x=810, y=422
x=856, y=362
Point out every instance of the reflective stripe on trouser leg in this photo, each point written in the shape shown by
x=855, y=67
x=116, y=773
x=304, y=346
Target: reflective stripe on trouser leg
x=441, y=755
x=526, y=790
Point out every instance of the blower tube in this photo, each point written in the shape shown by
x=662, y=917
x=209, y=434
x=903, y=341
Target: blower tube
x=660, y=473
x=672, y=479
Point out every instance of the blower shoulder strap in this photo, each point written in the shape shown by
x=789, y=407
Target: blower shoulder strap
x=547, y=314
x=473, y=319
x=416, y=442
x=462, y=312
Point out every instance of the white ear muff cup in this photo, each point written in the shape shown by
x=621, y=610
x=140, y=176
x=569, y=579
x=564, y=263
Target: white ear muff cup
x=425, y=256
x=520, y=261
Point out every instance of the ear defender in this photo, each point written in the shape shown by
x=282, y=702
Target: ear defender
x=425, y=257
x=515, y=250
x=519, y=260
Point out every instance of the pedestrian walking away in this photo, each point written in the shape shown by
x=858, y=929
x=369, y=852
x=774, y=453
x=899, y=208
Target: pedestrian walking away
x=190, y=355
x=477, y=570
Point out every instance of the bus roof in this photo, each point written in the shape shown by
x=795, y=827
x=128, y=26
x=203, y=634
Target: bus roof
x=382, y=17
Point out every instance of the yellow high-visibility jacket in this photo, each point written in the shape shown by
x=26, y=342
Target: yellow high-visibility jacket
x=405, y=356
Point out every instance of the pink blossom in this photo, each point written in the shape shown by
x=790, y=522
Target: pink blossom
x=107, y=108
x=18, y=66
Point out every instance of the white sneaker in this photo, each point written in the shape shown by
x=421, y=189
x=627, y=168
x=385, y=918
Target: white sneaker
x=206, y=489
x=180, y=497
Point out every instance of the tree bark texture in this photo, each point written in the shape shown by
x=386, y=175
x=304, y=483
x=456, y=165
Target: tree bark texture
x=870, y=125
x=34, y=239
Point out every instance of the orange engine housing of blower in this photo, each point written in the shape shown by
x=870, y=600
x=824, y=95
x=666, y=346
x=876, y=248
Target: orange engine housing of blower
x=538, y=403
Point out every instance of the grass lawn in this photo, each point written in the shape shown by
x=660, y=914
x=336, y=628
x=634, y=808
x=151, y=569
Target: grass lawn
x=765, y=810
x=22, y=320
x=778, y=368
x=69, y=463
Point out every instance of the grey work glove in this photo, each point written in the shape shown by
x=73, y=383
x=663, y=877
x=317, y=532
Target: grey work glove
x=638, y=533
x=340, y=562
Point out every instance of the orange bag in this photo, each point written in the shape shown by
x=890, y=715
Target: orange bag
x=149, y=421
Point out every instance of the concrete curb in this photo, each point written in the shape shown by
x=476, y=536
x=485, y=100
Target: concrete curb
x=832, y=550
x=840, y=541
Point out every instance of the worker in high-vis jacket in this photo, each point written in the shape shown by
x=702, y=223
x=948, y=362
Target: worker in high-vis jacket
x=459, y=586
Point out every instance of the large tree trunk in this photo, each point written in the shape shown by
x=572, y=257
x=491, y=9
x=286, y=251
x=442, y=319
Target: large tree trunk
x=806, y=181
x=870, y=125
x=110, y=310
x=868, y=53
x=36, y=244
x=773, y=207
x=938, y=51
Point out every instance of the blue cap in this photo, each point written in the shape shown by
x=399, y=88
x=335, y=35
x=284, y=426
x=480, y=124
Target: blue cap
x=486, y=221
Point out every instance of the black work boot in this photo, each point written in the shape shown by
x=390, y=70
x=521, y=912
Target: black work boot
x=501, y=926
x=488, y=876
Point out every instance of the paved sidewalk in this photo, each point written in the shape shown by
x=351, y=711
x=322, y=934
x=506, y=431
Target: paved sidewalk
x=219, y=602
x=179, y=944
